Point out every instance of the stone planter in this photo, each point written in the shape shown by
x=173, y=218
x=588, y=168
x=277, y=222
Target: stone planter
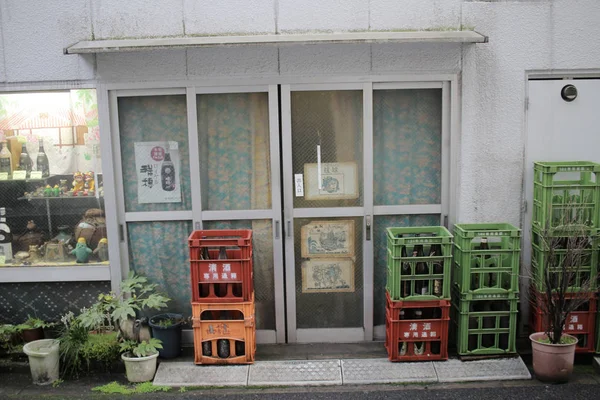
x=139, y=369
x=43, y=360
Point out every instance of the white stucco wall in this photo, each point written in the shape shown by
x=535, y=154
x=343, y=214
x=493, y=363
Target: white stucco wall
x=524, y=35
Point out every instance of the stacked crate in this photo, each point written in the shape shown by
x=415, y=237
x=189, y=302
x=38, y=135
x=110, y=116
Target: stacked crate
x=566, y=192
x=485, y=293
x=222, y=296
x=419, y=260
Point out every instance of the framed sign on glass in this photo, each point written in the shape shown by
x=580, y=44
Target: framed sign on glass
x=328, y=239
x=328, y=275
x=339, y=181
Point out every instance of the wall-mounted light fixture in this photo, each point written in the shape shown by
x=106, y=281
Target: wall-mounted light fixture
x=568, y=93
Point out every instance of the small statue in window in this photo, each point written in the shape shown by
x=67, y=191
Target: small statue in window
x=81, y=251
x=78, y=183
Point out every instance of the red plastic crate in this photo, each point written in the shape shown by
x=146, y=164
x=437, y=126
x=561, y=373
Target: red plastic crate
x=216, y=238
x=228, y=279
x=229, y=324
x=580, y=323
x=216, y=280
x=428, y=331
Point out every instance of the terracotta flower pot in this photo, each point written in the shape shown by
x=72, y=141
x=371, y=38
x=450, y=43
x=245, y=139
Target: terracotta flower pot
x=552, y=362
x=29, y=335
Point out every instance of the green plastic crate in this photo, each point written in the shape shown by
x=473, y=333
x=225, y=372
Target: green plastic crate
x=540, y=253
x=402, y=281
x=566, y=192
x=485, y=327
x=479, y=273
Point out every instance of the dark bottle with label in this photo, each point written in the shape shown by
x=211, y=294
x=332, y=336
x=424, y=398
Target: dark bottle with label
x=205, y=254
x=223, y=348
x=167, y=173
x=25, y=160
x=42, y=161
x=490, y=279
x=222, y=253
x=5, y=158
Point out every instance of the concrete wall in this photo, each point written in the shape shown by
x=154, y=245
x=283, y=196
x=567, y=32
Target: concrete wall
x=524, y=35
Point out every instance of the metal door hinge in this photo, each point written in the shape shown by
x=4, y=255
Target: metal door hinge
x=121, y=233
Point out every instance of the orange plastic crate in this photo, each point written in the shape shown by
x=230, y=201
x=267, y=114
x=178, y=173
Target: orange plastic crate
x=580, y=323
x=405, y=333
x=215, y=324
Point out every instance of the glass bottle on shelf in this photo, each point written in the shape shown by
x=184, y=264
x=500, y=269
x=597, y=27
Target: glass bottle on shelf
x=167, y=172
x=42, y=161
x=5, y=236
x=25, y=160
x=5, y=158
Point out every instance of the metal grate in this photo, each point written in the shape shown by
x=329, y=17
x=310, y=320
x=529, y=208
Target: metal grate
x=329, y=309
x=333, y=120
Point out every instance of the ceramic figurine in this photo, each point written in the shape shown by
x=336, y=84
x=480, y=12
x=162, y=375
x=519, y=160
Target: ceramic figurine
x=31, y=236
x=56, y=191
x=48, y=191
x=89, y=181
x=64, y=189
x=81, y=251
x=34, y=253
x=77, y=183
x=102, y=250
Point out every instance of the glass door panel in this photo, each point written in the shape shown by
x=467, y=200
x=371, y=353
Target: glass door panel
x=326, y=217
x=331, y=121
x=159, y=119
x=407, y=141
x=234, y=145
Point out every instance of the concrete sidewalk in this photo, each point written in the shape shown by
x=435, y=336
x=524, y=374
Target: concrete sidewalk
x=339, y=372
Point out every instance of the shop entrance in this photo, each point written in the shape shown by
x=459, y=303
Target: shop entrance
x=318, y=172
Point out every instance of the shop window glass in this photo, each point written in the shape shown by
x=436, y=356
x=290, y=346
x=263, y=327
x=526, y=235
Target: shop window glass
x=51, y=186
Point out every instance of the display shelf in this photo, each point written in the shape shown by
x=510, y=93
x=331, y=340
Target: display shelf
x=56, y=272
x=61, y=198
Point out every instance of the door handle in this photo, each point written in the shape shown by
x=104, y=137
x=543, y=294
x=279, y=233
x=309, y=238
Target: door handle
x=277, y=229
x=289, y=228
x=368, y=227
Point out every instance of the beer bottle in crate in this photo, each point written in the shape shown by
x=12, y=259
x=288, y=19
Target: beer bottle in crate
x=436, y=346
x=223, y=348
x=405, y=274
x=402, y=345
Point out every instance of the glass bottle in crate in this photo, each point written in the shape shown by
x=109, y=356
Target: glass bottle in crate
x=438, y=269
x=223, y=348
x=419, y=347
x=402, y=345
x=405, y=274
x=421, y=269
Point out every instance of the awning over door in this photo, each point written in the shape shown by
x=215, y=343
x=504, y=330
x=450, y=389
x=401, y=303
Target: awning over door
x=126, y=45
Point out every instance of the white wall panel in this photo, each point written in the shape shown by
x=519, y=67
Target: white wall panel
x=231, y=16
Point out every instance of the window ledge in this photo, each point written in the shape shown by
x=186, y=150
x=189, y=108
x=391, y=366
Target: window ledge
x=87, y=272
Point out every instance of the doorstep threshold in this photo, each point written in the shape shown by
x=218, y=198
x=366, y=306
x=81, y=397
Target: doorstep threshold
x=344, y=371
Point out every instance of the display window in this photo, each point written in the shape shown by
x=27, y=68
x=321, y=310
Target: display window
x=51, y=186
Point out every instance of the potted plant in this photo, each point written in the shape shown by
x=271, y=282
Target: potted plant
x=167, y=328
x=567, y=248
x=140, y=359
x=33, y=329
